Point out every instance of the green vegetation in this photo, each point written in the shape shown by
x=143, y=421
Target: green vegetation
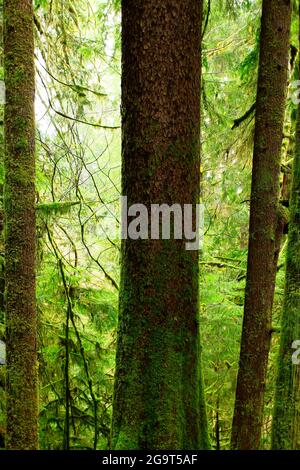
x=174, y=381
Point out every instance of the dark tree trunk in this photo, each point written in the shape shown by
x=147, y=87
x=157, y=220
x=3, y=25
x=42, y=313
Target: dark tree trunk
x=265, y=221
x=19, y=200
x=286, y=419
x=158, y=397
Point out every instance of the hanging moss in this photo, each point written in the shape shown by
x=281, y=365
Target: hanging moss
x=56, y=208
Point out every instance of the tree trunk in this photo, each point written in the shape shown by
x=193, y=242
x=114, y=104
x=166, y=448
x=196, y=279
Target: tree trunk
x=286, y=415
x=19, y=201
x=158, y=397
x=264, y=224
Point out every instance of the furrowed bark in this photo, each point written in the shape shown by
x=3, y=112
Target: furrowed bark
x=19, y=204
x=158, y=397
x=286, y=414
x=264, y=220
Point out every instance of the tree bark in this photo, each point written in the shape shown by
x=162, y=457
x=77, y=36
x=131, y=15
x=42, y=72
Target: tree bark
x=264, y=224
x=158, y=396
x=286, y=414
x=19, y=203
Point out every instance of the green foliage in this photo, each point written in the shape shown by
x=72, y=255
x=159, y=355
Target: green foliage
x=56, y=208
x=78, y=186
x=95, y=316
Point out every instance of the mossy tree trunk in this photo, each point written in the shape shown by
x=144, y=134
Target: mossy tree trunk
x=19, y=204
x=158, y=397
x=265, y=224
x=286, y=415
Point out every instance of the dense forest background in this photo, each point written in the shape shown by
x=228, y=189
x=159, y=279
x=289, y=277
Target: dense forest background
x=78, y=185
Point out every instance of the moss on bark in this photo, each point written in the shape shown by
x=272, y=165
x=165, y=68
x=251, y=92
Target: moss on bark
x=19, y=204
x=286, y=414
x=264, y=231
x=158, y=397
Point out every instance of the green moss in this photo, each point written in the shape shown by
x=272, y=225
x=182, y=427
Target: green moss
x=286, y=422
x=264, y=240
x=19, y=206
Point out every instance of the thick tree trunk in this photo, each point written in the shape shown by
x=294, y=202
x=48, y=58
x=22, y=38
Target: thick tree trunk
x=286, y=416
x=264, y=224
x=19, y=197
x=158, y=398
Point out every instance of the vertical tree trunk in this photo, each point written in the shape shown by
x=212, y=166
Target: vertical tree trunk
x=158, y=398
x=286, y=415
x=19, y=200
x=264, y=223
